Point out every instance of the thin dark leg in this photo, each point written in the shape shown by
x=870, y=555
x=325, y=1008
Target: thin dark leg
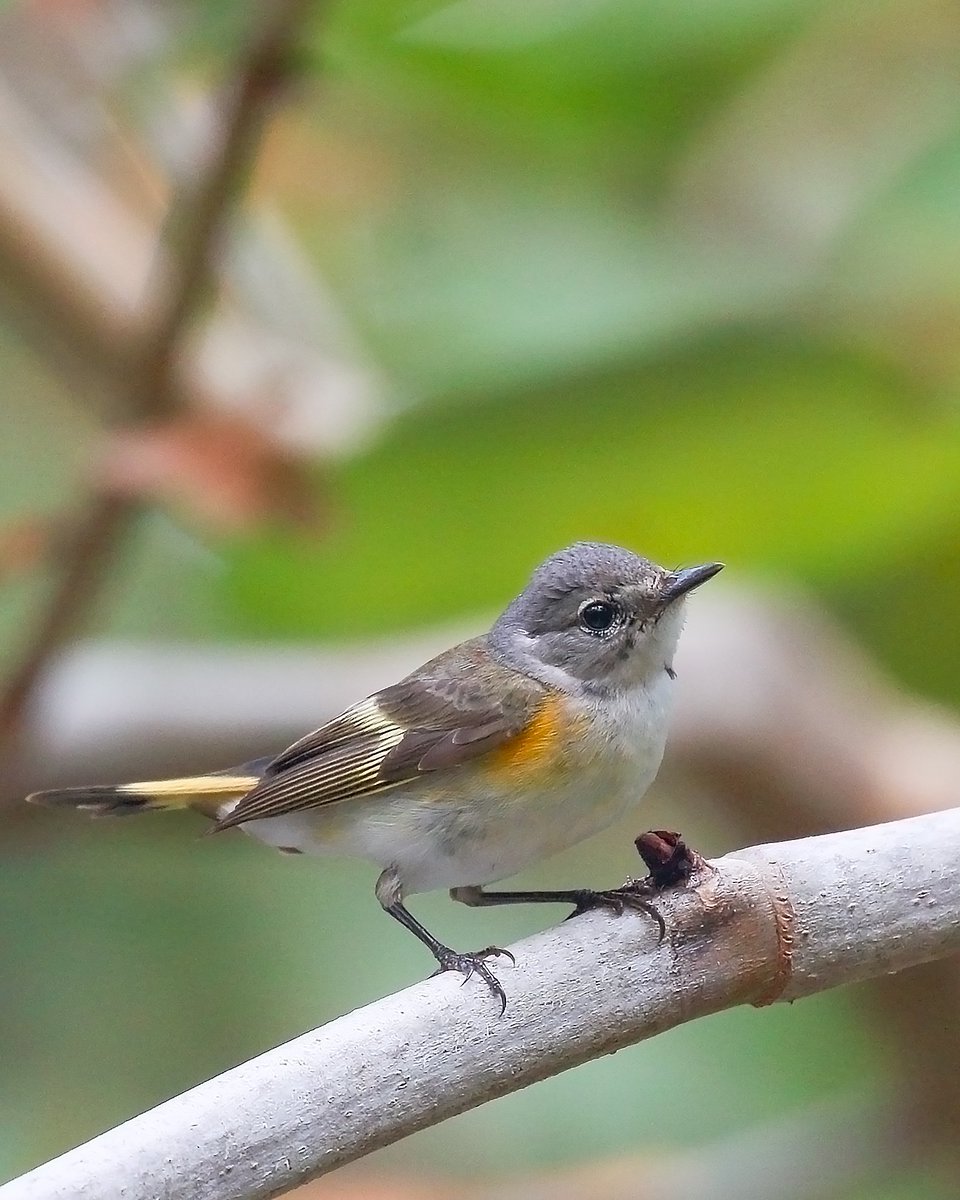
x=478, y=898
x=633, y=894
x=469, y=963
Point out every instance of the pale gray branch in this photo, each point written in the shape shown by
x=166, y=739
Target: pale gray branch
x=774, y=922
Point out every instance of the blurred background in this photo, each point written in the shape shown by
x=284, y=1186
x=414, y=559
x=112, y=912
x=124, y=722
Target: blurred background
x=320, y=324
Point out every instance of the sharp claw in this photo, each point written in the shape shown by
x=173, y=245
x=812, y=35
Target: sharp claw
x=471, y=964
x=496, y=952
x=619, y=899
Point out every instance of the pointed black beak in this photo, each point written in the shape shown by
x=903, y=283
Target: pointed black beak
x=689, y=578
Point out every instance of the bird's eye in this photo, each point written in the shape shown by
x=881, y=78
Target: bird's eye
x=599, y=616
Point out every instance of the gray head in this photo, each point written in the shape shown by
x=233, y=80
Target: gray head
x=600, y=613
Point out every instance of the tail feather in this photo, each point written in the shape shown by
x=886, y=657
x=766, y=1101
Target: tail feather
x=205, y=793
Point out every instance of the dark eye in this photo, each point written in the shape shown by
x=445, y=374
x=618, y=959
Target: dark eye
x=599, y=616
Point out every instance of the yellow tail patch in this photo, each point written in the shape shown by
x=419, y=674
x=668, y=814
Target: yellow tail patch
x=205, y=793
x=178, y=793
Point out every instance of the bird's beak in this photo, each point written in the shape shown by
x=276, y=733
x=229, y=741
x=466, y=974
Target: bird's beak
x=689, y=578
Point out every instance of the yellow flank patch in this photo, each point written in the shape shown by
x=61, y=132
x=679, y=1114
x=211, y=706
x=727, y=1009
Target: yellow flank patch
x=539, y=747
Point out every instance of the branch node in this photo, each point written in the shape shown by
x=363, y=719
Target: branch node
x=668, y=858
x=784, y=921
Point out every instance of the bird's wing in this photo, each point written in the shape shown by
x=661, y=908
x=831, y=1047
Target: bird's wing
x=460, y=705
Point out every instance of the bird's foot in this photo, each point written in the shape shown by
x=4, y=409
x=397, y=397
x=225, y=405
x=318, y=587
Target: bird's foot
x=470, y=963
x=634, y=894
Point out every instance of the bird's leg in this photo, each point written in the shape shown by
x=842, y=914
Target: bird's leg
x=390, y=895
x=667, y=857
x=633, y=894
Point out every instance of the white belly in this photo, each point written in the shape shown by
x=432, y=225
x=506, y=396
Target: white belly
x=452, y=829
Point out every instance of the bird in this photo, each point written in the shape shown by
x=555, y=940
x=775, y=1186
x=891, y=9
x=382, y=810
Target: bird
x=499, y=752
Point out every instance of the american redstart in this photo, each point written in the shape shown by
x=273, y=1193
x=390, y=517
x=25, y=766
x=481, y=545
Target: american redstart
x=503, y=750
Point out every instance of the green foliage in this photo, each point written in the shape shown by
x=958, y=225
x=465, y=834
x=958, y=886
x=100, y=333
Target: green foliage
x=779, y=458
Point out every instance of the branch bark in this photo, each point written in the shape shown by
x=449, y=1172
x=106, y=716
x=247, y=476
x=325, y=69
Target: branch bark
x=774, y=922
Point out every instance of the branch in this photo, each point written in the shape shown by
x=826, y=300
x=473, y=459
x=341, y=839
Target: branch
x=774, y=922
x=195, y=224
x=197, y=220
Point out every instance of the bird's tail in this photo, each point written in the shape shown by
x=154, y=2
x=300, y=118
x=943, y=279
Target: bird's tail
x=208, y=794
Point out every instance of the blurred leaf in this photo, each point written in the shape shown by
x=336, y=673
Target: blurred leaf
x=668, y=28
x=893, y=281
x=499, y=24
x=496, y=291
x=24, y=545
x=794, y=460
x=905, y=608
x=224, y=469
x=608, y=79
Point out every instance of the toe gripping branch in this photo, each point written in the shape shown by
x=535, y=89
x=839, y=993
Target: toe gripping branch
x=669, y=861
x=470, y=963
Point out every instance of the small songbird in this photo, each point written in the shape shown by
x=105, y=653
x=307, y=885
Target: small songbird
x=503, y=750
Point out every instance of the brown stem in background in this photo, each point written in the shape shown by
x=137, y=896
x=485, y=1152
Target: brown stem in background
x=197, y=219
x=190, y=238
x=82, y=568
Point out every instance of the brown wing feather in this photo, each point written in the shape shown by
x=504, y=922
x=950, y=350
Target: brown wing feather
x=435, y=719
